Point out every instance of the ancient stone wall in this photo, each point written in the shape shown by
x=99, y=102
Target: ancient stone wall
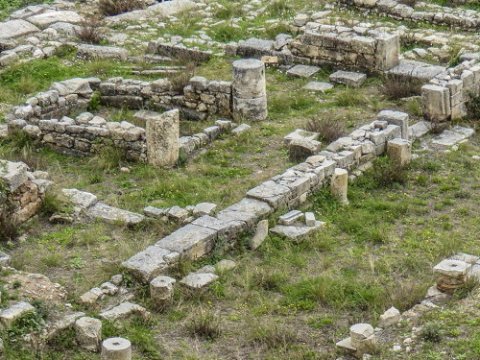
x=21, y=192
x=345, y=47
x=445, y=97
x=430, y=13
x=320, y=44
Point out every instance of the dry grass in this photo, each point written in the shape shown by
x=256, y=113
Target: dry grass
x=115, y=7
x=330, y=129
x=90, y=31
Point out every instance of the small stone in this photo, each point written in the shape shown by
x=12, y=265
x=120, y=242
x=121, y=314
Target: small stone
x=11, y=314
x=389, y=318
x=91, y=296
x=204, y=209
x=291, y=217
x=318, y=86
x=240, y=129
x=116, y=279
x=225, y=265
x=198, y=280
x=108, y=288
x=261, y=233
x=177, y=213
x=310, y=219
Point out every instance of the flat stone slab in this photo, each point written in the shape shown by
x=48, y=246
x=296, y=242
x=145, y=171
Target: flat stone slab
x=247, y=211
x=48, y=18
x=349, y=78
x=296, y=232
x=149, y=263
x=418, y=70
x=272, y=193
x=80, y=199
x=198, y=280
x=191, y=240
x=291, y=217
x=123, y=311
x=452, y=137
x=9, y=315
x=346, y=345
x=300, y=134
x=230, y=227
x=318, y=86
x=16, y=28
x=13, y=174
x=304, y=71
x=101, y=52
x=113, y=215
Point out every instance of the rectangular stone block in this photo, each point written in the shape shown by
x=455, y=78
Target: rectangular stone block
x=191, y=241
x=436, y=102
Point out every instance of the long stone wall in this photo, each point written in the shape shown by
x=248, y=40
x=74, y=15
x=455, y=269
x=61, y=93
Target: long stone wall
x=446, y=96
x=286, y=190
x=320, y=44
x=439, y=15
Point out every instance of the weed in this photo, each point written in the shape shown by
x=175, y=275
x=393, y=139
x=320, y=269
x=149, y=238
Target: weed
x=272, y=335
x=204, y=325
x=115, y=7
x=395, y=88
x=387, y=173
x=431, y=332
x=330, y=129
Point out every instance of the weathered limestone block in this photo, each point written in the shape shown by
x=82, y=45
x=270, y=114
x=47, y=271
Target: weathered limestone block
x=9, y=315
x=388, y=51
x=249, y=90
x=198, y=280
x=291, y=217
x=87, y=51
x=399, y=150
x=116, y=349
x=261, y=233
x=301, y=149
x=192, y=241
x=163, y=132
x=124, y=311
x=339, y=185
x=113, y=215
x=353, y=79
x=396, y=118
x=161, y=290
x=88, y=332
x=389, y=318
x=436, y=102
x=296, y=232
x=149, y=263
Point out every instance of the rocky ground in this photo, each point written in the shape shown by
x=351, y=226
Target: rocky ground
x=251, y=280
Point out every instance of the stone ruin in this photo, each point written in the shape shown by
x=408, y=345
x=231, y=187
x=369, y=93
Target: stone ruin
x=21, y=192
x=46, y=116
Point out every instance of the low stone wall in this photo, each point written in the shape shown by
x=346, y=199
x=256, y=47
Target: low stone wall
x=320, y=44
x=199, y=99
x=345, y=47
x=21, y=192
x=445, y=97
x=439, y=15
x=286, y=190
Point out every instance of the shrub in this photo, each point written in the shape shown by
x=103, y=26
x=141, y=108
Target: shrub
x=181, y=79
x=115, y=7
x=205, y=325
x=395, y=88
x=473, y=107
x=90, y=31
x=54, y=203
x=431, y=332
x=8, y=229
x=330, y=129
x=386, y=172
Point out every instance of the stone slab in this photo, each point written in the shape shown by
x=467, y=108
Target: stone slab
x=304, y=71
x=318, y=86
x=150, y=262
x=14, y=174
x=296, y=233
x=113, y=215
x=192, y=241
x=198, y=280
x=16, y=28
x=272, y=193
x=349, y=78
x=452, y=137
x=48, y=18
x=80, y=199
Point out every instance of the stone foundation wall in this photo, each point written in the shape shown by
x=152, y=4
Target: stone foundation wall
x=434, y=14
x=446, y=96
x=345, y=47
x=320, y=44
x=21, y=192
x=199, y=99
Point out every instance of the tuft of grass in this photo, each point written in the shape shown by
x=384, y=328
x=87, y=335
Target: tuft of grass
x=387, y=173
x=115, y=7
x=330, y=129
x=272, y=335
x=431, y=332
x=90, y=31
x=204, y=324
